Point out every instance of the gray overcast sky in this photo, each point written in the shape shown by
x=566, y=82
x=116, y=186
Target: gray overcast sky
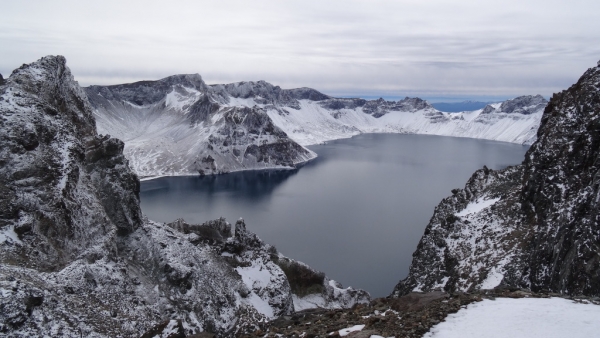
x=434, y=49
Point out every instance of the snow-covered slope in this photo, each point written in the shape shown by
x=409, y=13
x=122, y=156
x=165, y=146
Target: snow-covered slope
x=181, y=126
x=178, y=126
x=77, y=258
x=533, y=226
x=317, y=122
x=521, y=318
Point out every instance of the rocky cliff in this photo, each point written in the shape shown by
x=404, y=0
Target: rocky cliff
x=534, y=225
x=181, y=126
x=77, y=258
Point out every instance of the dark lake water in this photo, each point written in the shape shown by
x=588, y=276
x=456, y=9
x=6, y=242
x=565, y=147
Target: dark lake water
x=357, y=212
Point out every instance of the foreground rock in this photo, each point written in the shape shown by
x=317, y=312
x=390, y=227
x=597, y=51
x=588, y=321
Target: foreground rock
x=532, y=226
x=77, y=258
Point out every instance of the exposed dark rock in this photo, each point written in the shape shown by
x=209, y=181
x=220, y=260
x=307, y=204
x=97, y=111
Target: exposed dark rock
x=303, y=280
x=202, y=110
x=33, y=301
x=560, y=193
x=212, y=231
x=380, y=107
x=145, y=92
x=167, y=329
x=522, y=105
x=531, y=226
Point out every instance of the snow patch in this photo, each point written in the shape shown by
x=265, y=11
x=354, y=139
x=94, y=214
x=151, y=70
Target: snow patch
x=477, y=206
x=524, y=317
x=255, y=275
x=493, y=279
x=348, y=330
x=313, y=301
x=261, y=305
x=8, y=234
x=178, y=101
x=170, y=329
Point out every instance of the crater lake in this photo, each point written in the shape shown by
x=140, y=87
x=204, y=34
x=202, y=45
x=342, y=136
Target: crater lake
x=356, y=212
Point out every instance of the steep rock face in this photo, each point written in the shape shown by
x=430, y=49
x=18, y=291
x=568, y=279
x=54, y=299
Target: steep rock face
x=53, y=161
x=532, y=226
x=76, y=256
x=473, y=237
x=561, y=191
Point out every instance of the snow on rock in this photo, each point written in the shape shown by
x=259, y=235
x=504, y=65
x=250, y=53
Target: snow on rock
x=181, y=126
x=348, y=330
x=533, y=226
x=333, y=296
x=521, y=318
x=467, y=243
x=9, y=235
x=476, y=206
x=77, y=258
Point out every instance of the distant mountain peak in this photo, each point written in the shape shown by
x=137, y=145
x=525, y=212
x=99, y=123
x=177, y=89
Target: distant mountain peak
x=527, y=104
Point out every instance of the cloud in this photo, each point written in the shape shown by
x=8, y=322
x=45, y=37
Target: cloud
x=359, y=48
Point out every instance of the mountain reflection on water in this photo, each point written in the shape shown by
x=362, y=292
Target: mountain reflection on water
x=256, y=184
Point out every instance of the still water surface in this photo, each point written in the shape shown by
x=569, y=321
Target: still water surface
x=357, y=212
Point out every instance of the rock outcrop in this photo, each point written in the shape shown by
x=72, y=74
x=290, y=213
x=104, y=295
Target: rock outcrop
x=77, y=258
x=533, y=226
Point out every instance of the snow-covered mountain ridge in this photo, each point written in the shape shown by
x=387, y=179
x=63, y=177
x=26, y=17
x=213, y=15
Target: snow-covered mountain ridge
x=533, y=226
x=181, y=126
x=77, y=258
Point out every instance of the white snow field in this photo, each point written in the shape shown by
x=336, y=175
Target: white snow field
x=523, y=317
x=313, y=124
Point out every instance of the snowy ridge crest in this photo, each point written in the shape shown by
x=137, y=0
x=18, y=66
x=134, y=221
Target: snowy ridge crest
x=181, y=126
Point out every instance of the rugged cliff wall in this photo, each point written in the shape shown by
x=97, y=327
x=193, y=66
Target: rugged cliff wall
x=77, y=258
x=58, y=177
x=533, y=226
